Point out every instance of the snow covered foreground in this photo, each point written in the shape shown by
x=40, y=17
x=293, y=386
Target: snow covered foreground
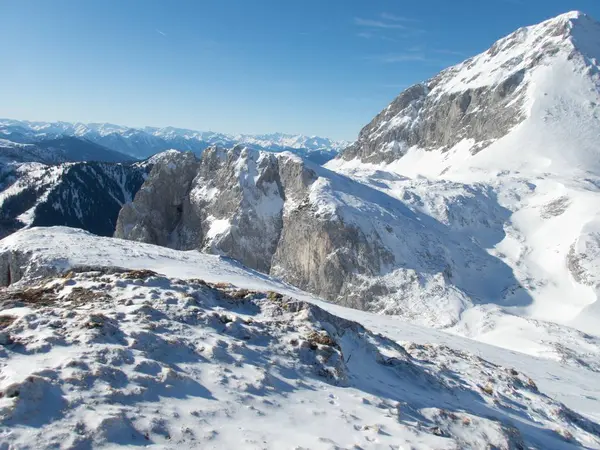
x=94, y=356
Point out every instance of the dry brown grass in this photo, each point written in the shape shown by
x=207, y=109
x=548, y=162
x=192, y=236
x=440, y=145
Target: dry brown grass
x=240, y=294
x=532, y=384
x=272, y=295
x=38, y=296
x=81, y=296
x=315, y=338
x=488, y=389
x=140, y=274
x=6, y=321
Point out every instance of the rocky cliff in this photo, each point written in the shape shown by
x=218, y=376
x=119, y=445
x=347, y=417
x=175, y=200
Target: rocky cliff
x=316, y=229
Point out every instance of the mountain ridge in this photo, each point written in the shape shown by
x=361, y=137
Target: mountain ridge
x=58, y=150
x=519, y=120
x=146, y=141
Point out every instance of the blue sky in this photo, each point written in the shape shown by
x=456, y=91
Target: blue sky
x=323, y=67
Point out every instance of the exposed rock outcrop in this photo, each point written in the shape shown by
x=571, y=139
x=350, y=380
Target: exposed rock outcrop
x=158, y=205
x=314, y=228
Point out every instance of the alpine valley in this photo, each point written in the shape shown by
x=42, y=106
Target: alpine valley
x=432, y=285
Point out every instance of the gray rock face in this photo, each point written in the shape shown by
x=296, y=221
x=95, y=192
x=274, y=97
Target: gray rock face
x=480, y=99
x=10, y=268
x=584, y=255
x=238, y=198
x=439, y=123
x=158, y=205
x=230, y=202
x=316, y=229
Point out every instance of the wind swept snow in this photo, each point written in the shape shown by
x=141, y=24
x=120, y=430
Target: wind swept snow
x=193, y=360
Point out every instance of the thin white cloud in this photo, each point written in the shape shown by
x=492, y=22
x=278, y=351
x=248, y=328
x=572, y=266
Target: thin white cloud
x=399, y=57
x=370, y=23
x=162, y=33
x=416, y=48
x=395, y=18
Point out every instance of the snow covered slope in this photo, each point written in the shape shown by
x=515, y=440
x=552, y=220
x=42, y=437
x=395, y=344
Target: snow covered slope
x=93, y=355
x=503, y=149
x=85, y=195
x=144, y=142
x=59, y=150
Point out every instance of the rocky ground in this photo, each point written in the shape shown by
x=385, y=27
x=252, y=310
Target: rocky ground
x=109, y=356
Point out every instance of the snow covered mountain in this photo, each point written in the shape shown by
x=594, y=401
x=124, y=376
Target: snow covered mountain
x=85, y=195
x=515, y=129
x=58, y=150
x=523, y=85
x=471, y=204
x=323, y=232
x=145, y=142
x=98, y=350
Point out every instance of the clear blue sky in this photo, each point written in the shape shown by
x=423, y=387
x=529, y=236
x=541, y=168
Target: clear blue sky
x=323, y=67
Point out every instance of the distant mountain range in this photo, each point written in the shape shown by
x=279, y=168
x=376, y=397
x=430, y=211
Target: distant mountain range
x=141, y=143
x=81, y=175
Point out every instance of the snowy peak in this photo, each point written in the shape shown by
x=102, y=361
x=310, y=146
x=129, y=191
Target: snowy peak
x=537, y=76
x=516, y=128
x=523, y=50
x=573, y=20
x=585, y=35
x=565, y=23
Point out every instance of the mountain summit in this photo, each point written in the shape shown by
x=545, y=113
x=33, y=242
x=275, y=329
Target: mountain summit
x=529, y=92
